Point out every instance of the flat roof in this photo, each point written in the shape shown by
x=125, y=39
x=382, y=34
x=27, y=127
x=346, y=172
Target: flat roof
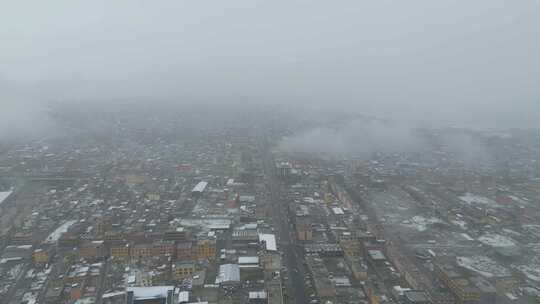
x=200, y=187
x=270, y=241
x=228, y=273
x=257, y=294
x=416, y=296
x=152, y=292
x=338, y=211
x=376, y=255
x=248, y=260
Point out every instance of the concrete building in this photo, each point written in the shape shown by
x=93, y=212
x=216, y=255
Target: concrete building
x=120, y=250
x=93, y=250
x=182, y=270
x=141, y=251
x=229, y=275
x=185, y=251
x=163, y=248
x=463, y=289
x=40, y=257
x=206, y=249
x=304, y=232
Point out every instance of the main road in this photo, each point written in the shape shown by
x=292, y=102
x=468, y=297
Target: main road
x=280, y=218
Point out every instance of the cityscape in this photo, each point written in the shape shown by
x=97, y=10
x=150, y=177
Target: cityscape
x=270, y=152
x=229, y=214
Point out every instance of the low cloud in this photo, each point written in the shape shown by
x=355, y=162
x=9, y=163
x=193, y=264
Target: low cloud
x=364, y=138
x=357, y=138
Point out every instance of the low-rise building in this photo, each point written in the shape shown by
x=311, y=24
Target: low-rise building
x=206, y=249
x=141, y=251
x=93, y=250
x=120, y=251
x=163, y=248
x=182, y=269
x=40, y=257
x=184, y=251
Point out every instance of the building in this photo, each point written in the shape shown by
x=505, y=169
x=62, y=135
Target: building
x=141, y=251
x=415, y=297
x=40, y=257
x=268, y=240
x=376, y=257
x=257, y=297
x=163, y=248
x=284, y=169
x=178, y=235
x=321, y=278
x=245, y=235
x=120, y=251
x=271, y=261
x=184, y=251
x=21, y=238
x=182, y=270
x=103, y=225
x=324, y=249
x=206, y=249
x=351, y=248
x=458, y=284
x=304, y=231
x=248, y=262
x=229, y=275
x=358, y=267
x=93, y=250
x=151, y=295
x=199, y=189
x=153, y=196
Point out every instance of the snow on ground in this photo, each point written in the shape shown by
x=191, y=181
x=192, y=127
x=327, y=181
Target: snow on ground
x=518, y=200
x=496, y=240
x=420, y=223
x=532, y=272
x=4, y=195
x=512, y=232
x=55, y=235
x=472, y=199
x=29, y=298
x=467, y=237
x=483, y=266
x=14, y=271
x=460, y=223
x=533, y=229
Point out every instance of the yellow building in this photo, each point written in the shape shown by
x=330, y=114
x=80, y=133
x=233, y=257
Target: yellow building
x=206, y=249
x=120, y=251
x=163, y=248
x=40, y=256
x=182, y=270
x=351, y=248
x=460, y=286
x=153, y=196
x=134, y=179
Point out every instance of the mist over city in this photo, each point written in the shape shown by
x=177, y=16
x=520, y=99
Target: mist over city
x=261, y=152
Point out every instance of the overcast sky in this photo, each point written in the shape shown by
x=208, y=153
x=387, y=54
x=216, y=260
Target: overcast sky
x=470, y=62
